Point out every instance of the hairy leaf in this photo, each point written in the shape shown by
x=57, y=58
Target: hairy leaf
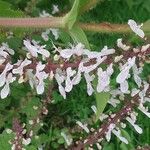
x=71, y=17
x=101, y=100
x=78, y=35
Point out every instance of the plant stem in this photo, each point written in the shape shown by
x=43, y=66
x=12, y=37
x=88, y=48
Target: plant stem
x=58, y=22
x=105, y=27
x=51, y=22
x=50, y=66
x=100, y=133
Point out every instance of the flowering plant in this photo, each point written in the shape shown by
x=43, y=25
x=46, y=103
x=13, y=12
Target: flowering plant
x=46, y=70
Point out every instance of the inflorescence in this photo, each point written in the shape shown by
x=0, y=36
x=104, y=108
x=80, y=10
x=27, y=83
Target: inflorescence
x=68, y=66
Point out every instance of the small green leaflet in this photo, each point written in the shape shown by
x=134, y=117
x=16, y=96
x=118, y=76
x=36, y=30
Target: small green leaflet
x=146, y=27
x=71, y=17
x=7, y=11
x=101, y=100
x=78, y=35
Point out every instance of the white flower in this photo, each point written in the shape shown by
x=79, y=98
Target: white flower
x=44, y=14
x=34, y=49
x=55, y=9
x=110, y=70
x=19, y=69
x=124, y=87
x=31, y=122
x=147, y=99
x=105, y=51
x=77, y=50
x=55, y=33
x=136, y=28
x=136, y=127
x=60, y=78
x=143, y=92
x=104, y=78
x=83, y=126
x=4, y=52
x=116, y=92
x=94, y=108
x=145, y=47
x=77, y=78
x=108, y=133
x=136, y=72
x=124, y=75
x=118, y=58
x=122, y=46
x=26, y=141
x=13, y=147
x=102, y=116
x=45, y=35
x=68, y=82
x=118, y=134
x=90, y=68
x=6, y=89
x=136, y=50
x=114, y=102
x=89, y=79
x=9, y=131
x=98, y=146
x=134, y=92
x=144, y=110
x=41, y=76
x=31, y=77
x=67, y=138
x=8, y=67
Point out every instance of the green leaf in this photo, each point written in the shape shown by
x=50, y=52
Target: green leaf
x=130, y=3
x=78, y=35
x=7, y=11
x=42, y=138
x=4, y=140
x=31, y=148
x=109, y=146
x=123, y=146
x=101, y=101
x=146, y=27
x=29, y=110
x=61, y=140
x=71, y=17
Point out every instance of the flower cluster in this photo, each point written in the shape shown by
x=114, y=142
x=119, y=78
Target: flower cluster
x=66, y=73
x=68, y=66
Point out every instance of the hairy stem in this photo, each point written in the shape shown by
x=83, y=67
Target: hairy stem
x=105, y=27
x=58, y=22
x=100, y=133
x=50, y=22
